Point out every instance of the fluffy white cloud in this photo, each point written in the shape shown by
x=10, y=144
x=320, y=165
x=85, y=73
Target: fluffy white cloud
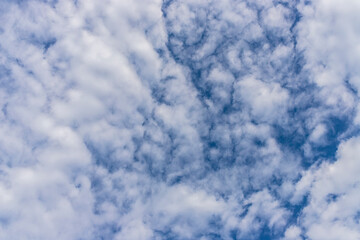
x=333, y=193
x=327, y=35
x=179, y=119
x=267, y=101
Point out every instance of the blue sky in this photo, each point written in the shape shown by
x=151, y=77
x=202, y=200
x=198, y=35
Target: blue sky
x=179, y=119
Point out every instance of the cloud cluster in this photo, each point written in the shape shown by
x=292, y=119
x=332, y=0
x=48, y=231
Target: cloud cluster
x=179, y=119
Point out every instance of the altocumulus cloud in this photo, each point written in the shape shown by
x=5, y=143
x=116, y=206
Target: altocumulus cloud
x=179, y=119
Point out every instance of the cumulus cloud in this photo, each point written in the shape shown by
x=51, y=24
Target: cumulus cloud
x=333, y=193
x=179, y=119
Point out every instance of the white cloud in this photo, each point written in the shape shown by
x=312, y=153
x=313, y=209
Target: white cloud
x=184, y=119
x=327, y=35
x=267, y=102
x=318, y=133
x=292, y=233
x=333, y=193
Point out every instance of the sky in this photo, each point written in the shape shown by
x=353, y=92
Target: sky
x=179, y=119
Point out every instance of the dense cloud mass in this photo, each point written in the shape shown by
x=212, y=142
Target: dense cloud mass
x=180, y=119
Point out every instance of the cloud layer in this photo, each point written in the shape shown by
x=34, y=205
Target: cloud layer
x=179, y=119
